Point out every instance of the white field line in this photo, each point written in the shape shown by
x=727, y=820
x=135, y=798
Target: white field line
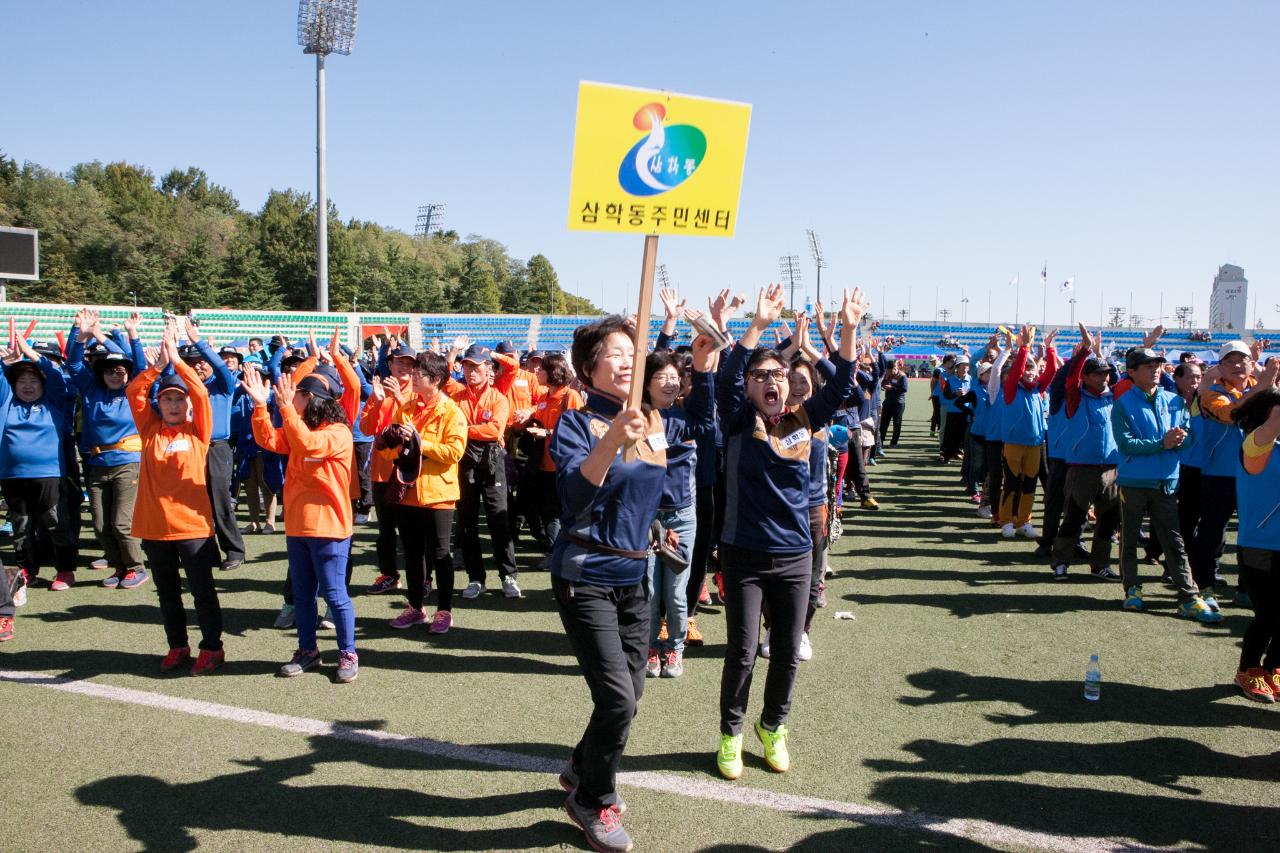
x=706, y=789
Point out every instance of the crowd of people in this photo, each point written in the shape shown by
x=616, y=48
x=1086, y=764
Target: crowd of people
x=732, y=469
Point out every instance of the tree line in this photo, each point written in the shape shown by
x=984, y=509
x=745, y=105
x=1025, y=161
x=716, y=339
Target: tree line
x=114, y=234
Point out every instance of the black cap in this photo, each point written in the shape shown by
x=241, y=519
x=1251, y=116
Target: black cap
x=506, y=348
x=330, y=373
x=106, y=362
x=477, y=353
x=190, y=352
x=98, y=350
x=50, y=350
x=292, y=360
x=171, y=382
x=1139, y=356
x=231, y=351
x=403, y=351
x=1096, y=365
x=535, y=353
x=317, y=385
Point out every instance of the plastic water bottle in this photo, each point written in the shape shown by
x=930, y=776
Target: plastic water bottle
x=1093, y=680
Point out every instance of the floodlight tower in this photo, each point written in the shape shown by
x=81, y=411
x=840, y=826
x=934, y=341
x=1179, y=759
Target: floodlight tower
x=789, y=270
x=1183, y=313
x=429, y=218
x=815, y=248
x=324, y=27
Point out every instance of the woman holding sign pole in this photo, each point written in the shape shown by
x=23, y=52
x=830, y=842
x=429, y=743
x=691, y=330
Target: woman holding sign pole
x=766, y=547
x=610, y=469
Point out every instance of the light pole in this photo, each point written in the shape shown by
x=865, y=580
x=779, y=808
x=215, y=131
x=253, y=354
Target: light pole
x=815, y=248
x=324, y=27
x=789, y=270
x=964, y=310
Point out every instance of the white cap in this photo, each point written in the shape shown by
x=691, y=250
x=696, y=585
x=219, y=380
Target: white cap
x=1234, y=346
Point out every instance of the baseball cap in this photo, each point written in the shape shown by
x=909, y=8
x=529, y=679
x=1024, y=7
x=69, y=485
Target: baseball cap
x=964, y=359
x=171, y=382
x=403, y=351
x=1096, y=365
x=230, y=351
x=1234, y=346
x=190, y=352
x=317, y=385
x=477, y=353
x=1139, y=356
x=506, y=348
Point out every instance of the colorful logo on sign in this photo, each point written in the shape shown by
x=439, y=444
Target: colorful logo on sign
x=664, y=159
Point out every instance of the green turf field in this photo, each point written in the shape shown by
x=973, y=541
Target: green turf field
x=954, y=695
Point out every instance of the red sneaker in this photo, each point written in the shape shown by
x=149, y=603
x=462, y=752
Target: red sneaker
x=175, y=659
x=719, y=580
x=704, y=597
x=6, y=628
x=1253, y=684
x=62, y=581
x=207, y=662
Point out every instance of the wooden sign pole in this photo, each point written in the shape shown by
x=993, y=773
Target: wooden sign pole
x=647, y=268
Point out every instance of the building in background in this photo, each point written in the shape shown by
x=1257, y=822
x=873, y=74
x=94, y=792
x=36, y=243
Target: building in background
x=1228, y=304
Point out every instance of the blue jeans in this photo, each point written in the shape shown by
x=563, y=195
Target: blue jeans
x=319, y=566
x=668, y=589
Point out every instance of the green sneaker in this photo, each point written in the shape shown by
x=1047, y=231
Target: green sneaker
x=1199, y=611
x=1133, y=598
x=775, y=747
x=729, y=756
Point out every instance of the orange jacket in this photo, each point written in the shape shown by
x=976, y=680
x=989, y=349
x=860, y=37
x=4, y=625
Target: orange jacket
x=442, y=432
x=317, y=481
x=519, y=386
x=487, y=411
x=377, y=416
x=173, y=500
x=553, y=403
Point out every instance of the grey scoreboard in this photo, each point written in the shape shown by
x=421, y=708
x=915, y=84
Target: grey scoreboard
x=19, y=253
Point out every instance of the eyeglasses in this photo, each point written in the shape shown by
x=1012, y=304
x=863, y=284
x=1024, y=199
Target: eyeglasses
x=778, y=374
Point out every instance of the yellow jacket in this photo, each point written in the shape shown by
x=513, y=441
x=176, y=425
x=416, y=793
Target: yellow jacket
x=442, y=431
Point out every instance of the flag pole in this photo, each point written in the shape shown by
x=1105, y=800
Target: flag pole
x=1017, y=300
x=648, y=265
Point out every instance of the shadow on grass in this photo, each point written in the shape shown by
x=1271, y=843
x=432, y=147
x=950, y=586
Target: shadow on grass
x=1145, y=818
x=89, y=663
x=963, y=605
x=855, y=836
x=1057, y=702
x=1162, y=761
x=269, y=798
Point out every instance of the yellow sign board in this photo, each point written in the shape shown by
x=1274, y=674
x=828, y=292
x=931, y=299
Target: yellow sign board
x=651, y=162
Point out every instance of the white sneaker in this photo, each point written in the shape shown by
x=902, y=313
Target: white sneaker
x=325, y=622
x=1007, y=531
x=510, y=588
x=806, y=648
x=362, y=518
x=984, y=512
x=473, y=590
x=100, y=564
x=764, y=649
x=1059, y=571
x=1028, y=531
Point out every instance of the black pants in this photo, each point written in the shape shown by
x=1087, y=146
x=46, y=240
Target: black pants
x=953, y=436
x=995, y=475
x=1055, y=500
x=385, y=545
x=818, y=532
x=1085, y=485
x=855, y=471
x=891, y=414
x=750, y=579
x=548, y=507
x=218, y=465
x=485, y=483
x=1217, y=503
x=33, y=502
x=935, y=420
x=705, y=510
x=197, y=558
x=364, y=452
x=608, y=628
x=425, y=534
x=1261, y=571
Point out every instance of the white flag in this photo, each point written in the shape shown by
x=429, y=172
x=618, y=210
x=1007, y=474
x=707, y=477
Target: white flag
x=1068, y=284
x=1013, y=282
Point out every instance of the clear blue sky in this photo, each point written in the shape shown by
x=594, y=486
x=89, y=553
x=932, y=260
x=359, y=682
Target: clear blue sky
x=937, y=148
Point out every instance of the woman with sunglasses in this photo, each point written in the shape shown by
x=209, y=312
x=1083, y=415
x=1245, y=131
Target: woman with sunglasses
x=174, y=517
x=766, y=546
x=317, y=507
